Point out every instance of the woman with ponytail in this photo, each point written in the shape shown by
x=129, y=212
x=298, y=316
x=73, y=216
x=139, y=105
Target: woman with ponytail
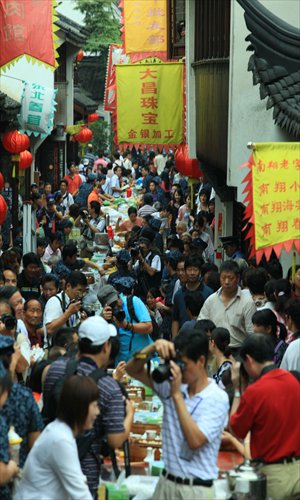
x=219, y=347
x=265, y=321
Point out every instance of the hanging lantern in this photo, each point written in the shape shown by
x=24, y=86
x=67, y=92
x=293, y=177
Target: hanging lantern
x=85, y=135
x=15, y=142
x=25, y=159
x=1, y=181
x=3, y=209
x=93, y=117
x=80, y=55
x=184, y=164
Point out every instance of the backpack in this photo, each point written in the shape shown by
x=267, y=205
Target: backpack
x=155, y=332
x=82, y=197
x=49, y=411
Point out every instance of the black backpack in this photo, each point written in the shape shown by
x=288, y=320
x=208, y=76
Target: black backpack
x=49, y=411
x=155, y=332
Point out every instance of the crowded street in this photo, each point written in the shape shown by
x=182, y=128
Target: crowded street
x=149, y=250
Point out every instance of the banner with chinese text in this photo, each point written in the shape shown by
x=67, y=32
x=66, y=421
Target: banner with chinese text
x=116, y=55
x=37, y=109
x=27, y=28
x=274, y=181
x=150, y=103
x=145, y=26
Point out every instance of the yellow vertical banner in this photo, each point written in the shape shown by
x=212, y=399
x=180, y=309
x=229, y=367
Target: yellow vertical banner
x=150, y=103
x=145, y=25
x=276, y=193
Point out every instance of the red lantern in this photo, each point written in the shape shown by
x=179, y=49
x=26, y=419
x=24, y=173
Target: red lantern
x=80, y=55
x=25, y=159
x=3, y=209
x=85, y=135
x=1, y=182
x=14, y=141
x=184, y=164
x=93, y=117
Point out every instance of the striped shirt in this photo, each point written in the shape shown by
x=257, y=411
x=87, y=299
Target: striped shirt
x=110, y=420
x=209, y=409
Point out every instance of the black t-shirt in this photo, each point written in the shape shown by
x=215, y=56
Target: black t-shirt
x=28, y=289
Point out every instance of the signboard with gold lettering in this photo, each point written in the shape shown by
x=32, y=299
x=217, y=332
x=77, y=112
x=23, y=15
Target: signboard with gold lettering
x=145, y=25
x=27, y=28
x=274, y=181
x=150, y=103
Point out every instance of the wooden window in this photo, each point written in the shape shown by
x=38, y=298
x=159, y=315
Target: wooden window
x=176, y=28
x=212, y=27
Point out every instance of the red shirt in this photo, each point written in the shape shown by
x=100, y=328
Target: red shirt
x=73, y=184
x=270, y=409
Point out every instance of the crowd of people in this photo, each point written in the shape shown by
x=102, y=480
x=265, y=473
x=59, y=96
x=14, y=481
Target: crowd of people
x=228, y=336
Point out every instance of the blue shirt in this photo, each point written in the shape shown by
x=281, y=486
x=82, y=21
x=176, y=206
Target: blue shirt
x=21, y=411
x=179, y=310
x=5, y=491
x=137, y=340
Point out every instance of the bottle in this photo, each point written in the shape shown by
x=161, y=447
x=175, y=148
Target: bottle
x=129, y=192
x=14, y=441
x=149, y=459
x=110, y=233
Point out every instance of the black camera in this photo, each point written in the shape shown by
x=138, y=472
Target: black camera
x=119, y=314
x=163, y=371
x=9, y=321
x=135, y=251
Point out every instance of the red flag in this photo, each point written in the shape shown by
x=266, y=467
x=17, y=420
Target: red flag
x=26, y=28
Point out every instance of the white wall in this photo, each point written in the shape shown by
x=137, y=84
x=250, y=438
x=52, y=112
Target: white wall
x=249, y=121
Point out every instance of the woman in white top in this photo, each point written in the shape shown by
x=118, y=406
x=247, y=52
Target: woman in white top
x=52, y=470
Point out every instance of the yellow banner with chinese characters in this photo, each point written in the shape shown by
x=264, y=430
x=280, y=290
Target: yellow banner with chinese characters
x=150, y=103
x=145, y=25
x=276, y=193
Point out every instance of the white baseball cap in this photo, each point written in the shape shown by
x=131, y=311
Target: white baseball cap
x=97, y=330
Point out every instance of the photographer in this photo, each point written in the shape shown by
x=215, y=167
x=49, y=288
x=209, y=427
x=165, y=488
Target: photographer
x=92, y=222
x=146, y=263
x=195, y=414
x=63, y=309
x=129, y=314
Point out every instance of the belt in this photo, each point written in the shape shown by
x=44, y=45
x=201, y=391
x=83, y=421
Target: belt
x=284, y=460
x=193, y=481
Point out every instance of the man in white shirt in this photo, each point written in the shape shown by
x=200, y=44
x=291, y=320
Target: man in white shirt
x=229, y=307
x=116, y=182
x=63, y=309
x=53, y=248
x=67, y=198
x=291, y=358
x=127, y=162
x=195, y=414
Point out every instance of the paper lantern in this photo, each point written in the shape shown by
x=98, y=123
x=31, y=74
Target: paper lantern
x=85, y=135
x=3, y=209
x=80, y=55
x=93, y=117
x=15, y=142
x=1, y=182
x=185, y=165
x=25, y=159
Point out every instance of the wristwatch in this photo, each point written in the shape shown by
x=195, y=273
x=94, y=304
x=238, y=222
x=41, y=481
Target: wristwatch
x=140, y=355
x=237, y=393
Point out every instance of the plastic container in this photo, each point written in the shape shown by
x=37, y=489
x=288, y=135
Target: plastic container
x=14, y=441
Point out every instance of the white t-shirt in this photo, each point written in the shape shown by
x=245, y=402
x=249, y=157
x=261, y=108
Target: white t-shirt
x=115, y=183
x=53, y=310
x=155, y=263
x=291, y=358
x=52, y=469
x=67, y=201
x=107, y=186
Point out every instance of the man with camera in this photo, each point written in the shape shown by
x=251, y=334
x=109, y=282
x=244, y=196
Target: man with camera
x=63, y=309
x=92, y=222
x=146, y=263
x=195, y=414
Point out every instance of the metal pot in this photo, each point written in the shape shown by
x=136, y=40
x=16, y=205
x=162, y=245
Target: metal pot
x=248, y=482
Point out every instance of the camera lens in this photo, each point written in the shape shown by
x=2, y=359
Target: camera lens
x=9, y=321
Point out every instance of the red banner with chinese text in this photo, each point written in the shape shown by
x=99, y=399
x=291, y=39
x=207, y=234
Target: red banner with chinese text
x=27, y=28
x=273, y=198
